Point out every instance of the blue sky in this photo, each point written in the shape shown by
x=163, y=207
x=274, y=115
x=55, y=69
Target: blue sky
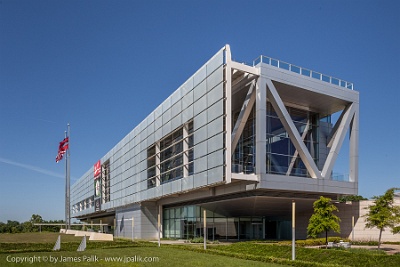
x=103, y=66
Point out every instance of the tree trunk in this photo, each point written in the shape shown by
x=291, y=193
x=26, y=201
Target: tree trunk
x=326, y=239
x=379, y=240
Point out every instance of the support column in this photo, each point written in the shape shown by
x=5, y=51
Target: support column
x=293, y=230
x=353, y=157
x=261, y=126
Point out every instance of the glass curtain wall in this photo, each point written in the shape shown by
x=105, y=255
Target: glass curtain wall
x=282, y=157
x=187, y=223
x=243, y=160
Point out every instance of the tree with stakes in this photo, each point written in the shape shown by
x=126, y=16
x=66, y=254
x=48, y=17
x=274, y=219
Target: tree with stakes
x=323, y=219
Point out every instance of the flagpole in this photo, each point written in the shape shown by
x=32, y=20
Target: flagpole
x=67, y=162
x=66, y=185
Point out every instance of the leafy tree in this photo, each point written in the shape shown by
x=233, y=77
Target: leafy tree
x=29, y=225
x=383, y=214
x=13, y=227
x=3, y=227
x=36, y=218
x=323, y=219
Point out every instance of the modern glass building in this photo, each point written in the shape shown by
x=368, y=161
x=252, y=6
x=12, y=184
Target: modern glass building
x=238, y=141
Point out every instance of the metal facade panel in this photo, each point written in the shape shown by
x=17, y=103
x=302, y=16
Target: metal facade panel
x=200, y=150
x=215, y=142
x=216, y=126
x=151, y=139
x=199, y=90
x=187, y=100
x=167, y=188
x=215, y=62
x=176, y=186
x=176, y=96
x=158, y=134
x=150, y=129
x=215, y=110
x=187, y=114
x=176, y=109
x=215, y=175
x=187, y=86
x=200, y=179
x=217, y=93
x=158, y=123
x=200, y=120
x=199, y=76
x=215, y=159
x=187, y=183
x=200, y=105
x=200, y=165
x=176, y=122
x=166, y=104
x=215, y=78
x=166, y=117
x=200, y=135
x=166, y=129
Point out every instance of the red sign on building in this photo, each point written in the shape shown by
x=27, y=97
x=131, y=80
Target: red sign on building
x=97, y=169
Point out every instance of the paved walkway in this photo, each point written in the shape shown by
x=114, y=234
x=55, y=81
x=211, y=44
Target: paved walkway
x=389, y=248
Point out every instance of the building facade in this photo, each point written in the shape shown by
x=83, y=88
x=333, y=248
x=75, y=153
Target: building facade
x=239, y=142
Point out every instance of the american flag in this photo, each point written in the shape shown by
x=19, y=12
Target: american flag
x=62, y=148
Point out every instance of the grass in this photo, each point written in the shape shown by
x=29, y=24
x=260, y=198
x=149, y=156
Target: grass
x=43, y=237
x=26, y=246
x=167, y=256
x=22, y=247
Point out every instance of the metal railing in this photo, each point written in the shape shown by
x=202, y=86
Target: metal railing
x=303, y=71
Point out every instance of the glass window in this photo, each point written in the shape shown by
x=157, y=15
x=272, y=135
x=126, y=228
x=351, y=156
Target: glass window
x=170, y=158
x=279, y=147
x=244, y=154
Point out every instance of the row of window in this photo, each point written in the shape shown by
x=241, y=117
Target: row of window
x=83, y=205
x=172, y=157
x=102, y=190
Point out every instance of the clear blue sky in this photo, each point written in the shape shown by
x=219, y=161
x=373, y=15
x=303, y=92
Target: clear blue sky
x=104, y=65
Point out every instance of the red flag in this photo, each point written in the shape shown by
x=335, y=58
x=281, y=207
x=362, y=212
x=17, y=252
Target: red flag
x=62, y=148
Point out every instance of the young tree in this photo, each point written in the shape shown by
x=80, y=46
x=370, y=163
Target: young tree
x=323, y=219
x=383, y=214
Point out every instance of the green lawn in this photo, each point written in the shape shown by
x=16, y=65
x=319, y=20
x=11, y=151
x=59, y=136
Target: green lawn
x=35, y=249
x=165, y=256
